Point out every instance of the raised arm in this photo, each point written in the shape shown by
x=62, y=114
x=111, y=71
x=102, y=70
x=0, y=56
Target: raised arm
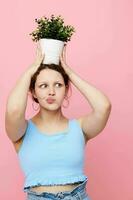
x=94, y=122
x=15, y=122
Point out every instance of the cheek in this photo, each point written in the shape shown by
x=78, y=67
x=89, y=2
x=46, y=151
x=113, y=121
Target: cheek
x=61, y=95
x=60, y=92
x=40, y=93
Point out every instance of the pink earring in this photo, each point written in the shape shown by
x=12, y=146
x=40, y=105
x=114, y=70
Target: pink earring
x=67, y=102
x=34, y=107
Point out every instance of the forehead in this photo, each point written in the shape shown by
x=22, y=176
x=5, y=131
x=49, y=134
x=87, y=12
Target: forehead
x=49, y=75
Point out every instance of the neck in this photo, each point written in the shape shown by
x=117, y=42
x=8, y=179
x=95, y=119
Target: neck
x=54, y=116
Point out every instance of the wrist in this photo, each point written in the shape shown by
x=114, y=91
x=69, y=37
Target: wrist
x=30, y=71
x=68, y=71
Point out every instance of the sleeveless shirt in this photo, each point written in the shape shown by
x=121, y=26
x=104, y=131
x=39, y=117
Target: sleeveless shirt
x=52, y=159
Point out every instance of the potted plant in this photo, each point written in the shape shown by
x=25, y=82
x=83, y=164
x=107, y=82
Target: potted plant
x=52, y=34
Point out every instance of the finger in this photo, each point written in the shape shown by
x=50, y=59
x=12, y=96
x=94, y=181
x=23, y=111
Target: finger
x=64, y=53
x=41, y=57
x=60, y=57
x=38, y=44
x=39, y=51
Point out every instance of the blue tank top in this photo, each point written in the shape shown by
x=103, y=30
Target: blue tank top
x=55, y=159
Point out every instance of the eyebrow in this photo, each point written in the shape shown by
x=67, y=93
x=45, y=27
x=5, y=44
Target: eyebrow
x=47, y=82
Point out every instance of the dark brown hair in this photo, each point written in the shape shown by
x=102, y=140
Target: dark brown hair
x=55, y=67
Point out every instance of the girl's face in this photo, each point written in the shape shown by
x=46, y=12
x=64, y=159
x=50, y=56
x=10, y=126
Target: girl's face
x=50, y=84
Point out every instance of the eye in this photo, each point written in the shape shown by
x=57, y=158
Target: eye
x=42, y=85
x=59, y=84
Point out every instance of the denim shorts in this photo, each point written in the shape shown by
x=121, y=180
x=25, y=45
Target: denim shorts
x=78, y=193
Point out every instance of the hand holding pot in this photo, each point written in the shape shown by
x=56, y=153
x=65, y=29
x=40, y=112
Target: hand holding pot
x=39, y=58
x=62, y=58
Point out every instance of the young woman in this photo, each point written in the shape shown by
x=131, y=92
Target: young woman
x=50, y=147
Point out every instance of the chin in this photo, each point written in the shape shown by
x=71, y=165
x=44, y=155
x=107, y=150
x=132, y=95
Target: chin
x=51, y=107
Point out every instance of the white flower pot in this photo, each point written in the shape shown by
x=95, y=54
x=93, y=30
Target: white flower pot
x=52, y=49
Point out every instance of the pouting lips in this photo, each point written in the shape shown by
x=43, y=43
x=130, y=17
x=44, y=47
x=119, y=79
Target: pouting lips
x=50, y=100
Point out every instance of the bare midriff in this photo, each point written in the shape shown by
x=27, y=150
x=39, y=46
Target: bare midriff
x=55, y=188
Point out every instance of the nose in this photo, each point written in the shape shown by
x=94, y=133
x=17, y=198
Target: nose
x=51, y=91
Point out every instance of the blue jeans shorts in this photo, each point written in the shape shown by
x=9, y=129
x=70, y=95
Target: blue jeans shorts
x=78, y=193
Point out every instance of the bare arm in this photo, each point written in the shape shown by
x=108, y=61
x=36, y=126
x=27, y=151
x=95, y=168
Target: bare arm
x=92, y=123
x=15, y=122
x=17, y=99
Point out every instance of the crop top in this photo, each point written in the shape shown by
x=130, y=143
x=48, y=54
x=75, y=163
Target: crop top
x=52, y=159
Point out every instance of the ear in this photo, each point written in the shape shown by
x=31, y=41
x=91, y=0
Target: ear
x=34, y=94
